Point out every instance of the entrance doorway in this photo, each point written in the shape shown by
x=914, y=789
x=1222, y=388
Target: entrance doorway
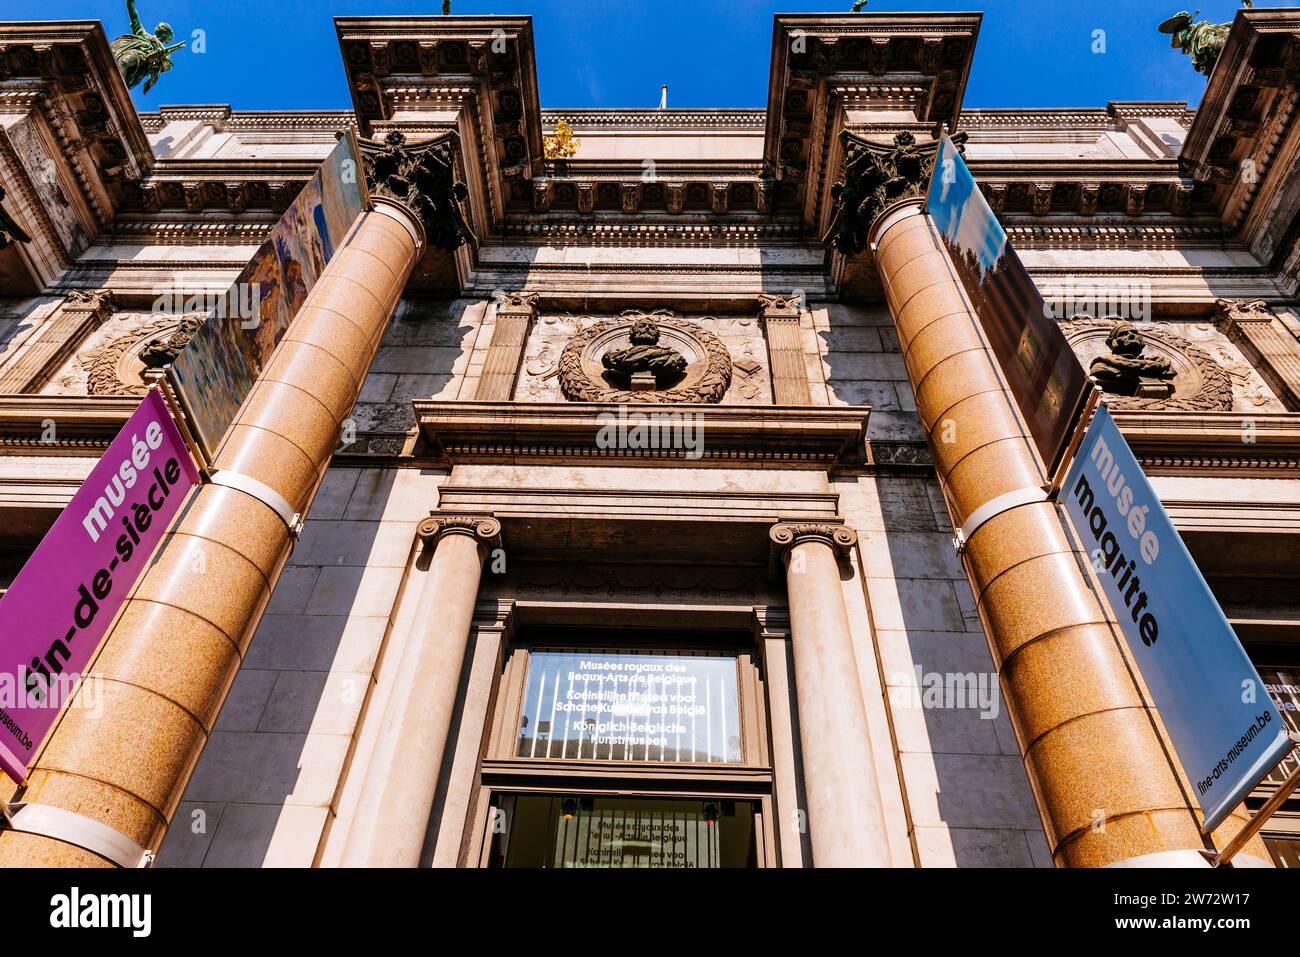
x=572, y=831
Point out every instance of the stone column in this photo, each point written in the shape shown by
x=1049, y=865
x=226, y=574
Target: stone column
x=780, y=317
x=846, y=821
x=402, y=776
x=169, y=659
x=1267, y=345
x=514, y=314
x=1100, y=772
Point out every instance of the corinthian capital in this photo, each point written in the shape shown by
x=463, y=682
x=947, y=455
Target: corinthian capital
x=422, y=177
x=874, y=177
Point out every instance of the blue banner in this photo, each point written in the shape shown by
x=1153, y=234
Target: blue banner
x=1225, y=728
x=1044, y=376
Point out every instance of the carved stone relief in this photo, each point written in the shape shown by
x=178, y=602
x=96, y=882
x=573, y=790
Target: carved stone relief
x=726, y=359
x=115, y=360
x=1210, y=375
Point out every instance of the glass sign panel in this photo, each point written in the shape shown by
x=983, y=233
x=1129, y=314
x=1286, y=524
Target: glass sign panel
x=630, y=707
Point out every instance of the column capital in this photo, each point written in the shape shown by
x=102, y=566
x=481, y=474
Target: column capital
x=484, y=529
x=778, y=307
x=1233, y=312
x=517, y=303
x=422, y=178
x=784, y=536
x=874, y=177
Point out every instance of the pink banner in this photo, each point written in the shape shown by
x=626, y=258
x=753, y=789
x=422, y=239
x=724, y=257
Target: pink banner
x=61, y=604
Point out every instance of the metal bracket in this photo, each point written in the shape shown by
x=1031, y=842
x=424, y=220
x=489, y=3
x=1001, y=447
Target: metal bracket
x=76, y=829
x=1270, y=807
x=263, y=493
x=993, y=508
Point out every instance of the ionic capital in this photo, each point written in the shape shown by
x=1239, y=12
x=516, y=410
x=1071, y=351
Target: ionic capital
x=785, y=536
x=484, y=529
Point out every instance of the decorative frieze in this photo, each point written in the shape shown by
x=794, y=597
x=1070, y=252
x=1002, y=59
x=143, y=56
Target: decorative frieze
x=1195, y=381
x=704, y=376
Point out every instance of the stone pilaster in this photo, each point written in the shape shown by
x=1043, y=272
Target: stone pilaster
x=846, y=821
x=514, y=316
x=780, y=317
x=59, y=336
x=401, y=780
x=1267, y=345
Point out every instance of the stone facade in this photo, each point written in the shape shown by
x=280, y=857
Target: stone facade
x=486, y=391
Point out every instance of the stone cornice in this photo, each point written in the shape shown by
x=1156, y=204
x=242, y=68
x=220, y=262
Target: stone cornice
x=829, y=69
x=83, y=425
x=1243, y=145
x=222, y=118
x=566, y=432
x=1214, y=443
x=474, y=75
x=618, y=120
x=1093, y=119
x=70, y=70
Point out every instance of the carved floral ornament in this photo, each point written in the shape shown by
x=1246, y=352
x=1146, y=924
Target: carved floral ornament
x=1199, y=383
x=688, y=363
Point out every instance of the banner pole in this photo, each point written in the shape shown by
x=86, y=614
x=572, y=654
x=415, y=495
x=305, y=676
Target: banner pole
x=1067, y=457
x=181, y=417
x=1278, y=798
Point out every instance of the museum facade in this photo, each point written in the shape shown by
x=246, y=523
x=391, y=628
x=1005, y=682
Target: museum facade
x=603, y=504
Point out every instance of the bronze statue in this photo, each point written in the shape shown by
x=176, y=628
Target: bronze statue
x=140, y=54
x=667, y=365
x=10, y=231
x=1202, y=40
x=1122, y=372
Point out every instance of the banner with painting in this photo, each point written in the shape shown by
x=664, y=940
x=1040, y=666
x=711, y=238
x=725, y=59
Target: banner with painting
x=217, y=369
x=1047, y=381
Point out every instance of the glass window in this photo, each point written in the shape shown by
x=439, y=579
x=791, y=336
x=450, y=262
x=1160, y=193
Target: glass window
x=1283, y=684
x=629, y=706
x=598, y=831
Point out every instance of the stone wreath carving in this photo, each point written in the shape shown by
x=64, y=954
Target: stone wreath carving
x=1200, y=383
x=584, y=377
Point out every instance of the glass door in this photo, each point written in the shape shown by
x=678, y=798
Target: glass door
x=556, y=830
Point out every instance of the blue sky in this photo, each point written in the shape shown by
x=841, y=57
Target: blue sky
x=616, y=53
